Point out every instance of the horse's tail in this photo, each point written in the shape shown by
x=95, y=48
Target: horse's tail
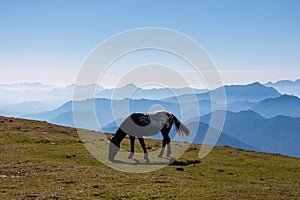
x=181, y=129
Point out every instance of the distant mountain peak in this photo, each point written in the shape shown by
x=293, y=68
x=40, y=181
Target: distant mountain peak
x=282, y=83
x=287, y=96
x=287, y=105
x=244, y=113
x=246, y=85
x=251, y=86
x=284, y=97
x=250, y=113
x=255, y=83
x=131, y=85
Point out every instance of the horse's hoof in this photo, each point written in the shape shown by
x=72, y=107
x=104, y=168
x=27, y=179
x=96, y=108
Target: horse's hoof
x=168, y=156
x=112, y=160
x=130, y=156
x=160, y=156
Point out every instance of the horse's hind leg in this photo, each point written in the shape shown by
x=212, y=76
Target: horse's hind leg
x=132, y=140
x=169, y=151
x=162, y=149
x=142, y=142
x=166, y=141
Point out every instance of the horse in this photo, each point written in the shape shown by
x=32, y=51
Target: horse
x=146, y=124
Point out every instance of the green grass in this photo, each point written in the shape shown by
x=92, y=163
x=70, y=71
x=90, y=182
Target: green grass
x=45, y=161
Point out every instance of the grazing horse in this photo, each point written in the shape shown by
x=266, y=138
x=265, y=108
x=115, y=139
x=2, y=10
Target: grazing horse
x=140, y=124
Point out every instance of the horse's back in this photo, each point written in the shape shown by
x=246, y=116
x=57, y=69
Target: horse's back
x=140, y=119
x=145, y=124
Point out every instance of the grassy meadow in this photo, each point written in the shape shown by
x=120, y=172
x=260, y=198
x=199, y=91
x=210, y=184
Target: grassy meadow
x=45, y=161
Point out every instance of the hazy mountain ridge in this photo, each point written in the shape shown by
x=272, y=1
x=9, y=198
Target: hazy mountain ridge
x=134, y=92
x=50, y=97
x=252, y=92
x=284, y=105
x=286, y=87
x=270, y=135
x=102, y=108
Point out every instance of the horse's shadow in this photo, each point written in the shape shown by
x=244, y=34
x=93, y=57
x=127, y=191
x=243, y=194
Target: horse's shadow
x=170, y=161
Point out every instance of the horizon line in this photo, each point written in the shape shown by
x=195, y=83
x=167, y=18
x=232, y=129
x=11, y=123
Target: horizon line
x=87, y=84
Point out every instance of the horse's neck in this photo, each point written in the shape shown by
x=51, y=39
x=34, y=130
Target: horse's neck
x=119, y=136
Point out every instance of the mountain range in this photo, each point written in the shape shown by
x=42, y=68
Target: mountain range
x=283, y=105
x=253, y=92
x=280, y=134
x=133, y=92
x=103, y=108
x=258, y=117
x=24, y=99
x=286, y=87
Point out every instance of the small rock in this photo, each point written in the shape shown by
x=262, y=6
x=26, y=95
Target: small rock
x=68, y=182
x=31, y=196
x=180, y=169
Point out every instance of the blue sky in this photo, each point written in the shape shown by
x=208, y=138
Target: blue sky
x=249, y=40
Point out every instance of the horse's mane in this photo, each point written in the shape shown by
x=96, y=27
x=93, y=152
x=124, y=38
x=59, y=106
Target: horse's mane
x=158, y=111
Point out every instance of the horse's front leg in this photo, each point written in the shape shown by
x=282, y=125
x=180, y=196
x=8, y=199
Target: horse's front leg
x=132, y=140
x=142, y=142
